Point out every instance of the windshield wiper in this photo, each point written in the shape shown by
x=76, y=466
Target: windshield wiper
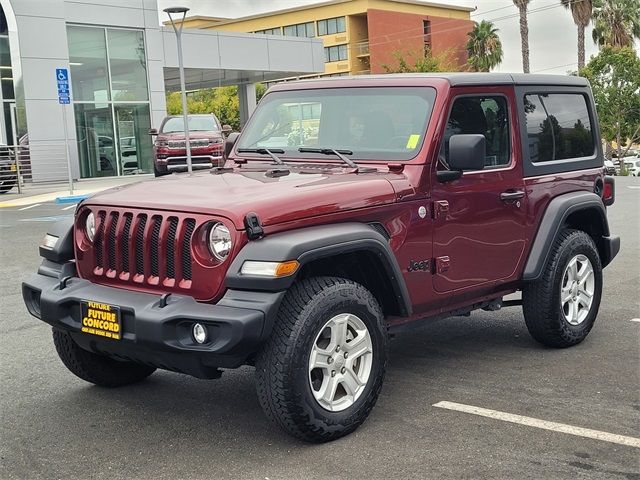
x=332, y=151
x=265, y=151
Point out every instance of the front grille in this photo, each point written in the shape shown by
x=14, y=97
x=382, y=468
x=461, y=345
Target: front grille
x=194, y=143
x=137, y=247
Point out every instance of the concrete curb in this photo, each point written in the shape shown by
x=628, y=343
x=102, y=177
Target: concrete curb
x=71, y=198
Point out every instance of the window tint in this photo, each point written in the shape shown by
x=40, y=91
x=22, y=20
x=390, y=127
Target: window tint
x=558, y=126
x=481, y=115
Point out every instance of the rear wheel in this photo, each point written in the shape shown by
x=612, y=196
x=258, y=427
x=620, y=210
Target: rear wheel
x=560, y=307
x=94, y=368
x=319, y=374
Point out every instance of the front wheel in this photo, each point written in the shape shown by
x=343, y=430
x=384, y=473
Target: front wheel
x=94, y=368
x=320, y=373
x=560, y=307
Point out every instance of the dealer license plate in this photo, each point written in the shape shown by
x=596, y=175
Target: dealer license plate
x=101, y=319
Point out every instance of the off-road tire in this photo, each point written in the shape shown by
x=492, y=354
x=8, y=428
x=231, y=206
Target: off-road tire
x=94, y=368
x=541, y=298
x=282, y=364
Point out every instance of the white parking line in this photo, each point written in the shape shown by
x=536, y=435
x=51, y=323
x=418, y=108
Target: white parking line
x=633, y=186
x=635, y=320
x=543, y=424
x=70, y=207
x=30, y=206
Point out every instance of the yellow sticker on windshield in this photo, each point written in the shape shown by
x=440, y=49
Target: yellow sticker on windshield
x=413, y=141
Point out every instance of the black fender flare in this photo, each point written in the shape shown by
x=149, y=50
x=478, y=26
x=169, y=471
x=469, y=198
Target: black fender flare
x=62, y=251
x=311, y=243
x=554, y=218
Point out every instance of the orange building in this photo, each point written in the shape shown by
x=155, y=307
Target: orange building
x=363, y=36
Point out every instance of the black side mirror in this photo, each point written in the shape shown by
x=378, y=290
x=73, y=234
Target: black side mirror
x=153, y=131
x=226, y=129
x=229, y=143
x=466, y=152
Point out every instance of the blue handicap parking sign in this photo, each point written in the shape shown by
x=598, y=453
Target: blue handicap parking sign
x=62, y=83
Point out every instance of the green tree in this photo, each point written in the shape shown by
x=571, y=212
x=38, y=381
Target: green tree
x=524, y=32
x=425, y=63
x=484, y=47
x=616, y=22
x=581, y=10
x=615, y=79
x=223, y=102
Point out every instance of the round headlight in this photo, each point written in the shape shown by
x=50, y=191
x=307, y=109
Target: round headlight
x=90, y=226
x=220, y=241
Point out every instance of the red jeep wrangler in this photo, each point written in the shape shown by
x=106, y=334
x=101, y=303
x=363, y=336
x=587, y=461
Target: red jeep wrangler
x=348, y=209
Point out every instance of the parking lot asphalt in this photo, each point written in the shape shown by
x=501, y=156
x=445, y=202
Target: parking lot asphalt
x=172, y=426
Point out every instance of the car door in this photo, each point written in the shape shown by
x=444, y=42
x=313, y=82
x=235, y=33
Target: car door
x=479, y=219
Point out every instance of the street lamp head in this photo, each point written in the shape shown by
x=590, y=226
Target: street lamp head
x=171, y=10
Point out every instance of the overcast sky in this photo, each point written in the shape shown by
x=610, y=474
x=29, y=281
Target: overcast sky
x=552, y=33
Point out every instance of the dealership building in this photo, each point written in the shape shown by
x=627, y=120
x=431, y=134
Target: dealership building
x=121, y=63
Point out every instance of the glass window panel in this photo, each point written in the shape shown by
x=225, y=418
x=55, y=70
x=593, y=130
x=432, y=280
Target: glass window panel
x=374, y=123
x=342, y=52
x=558, y=127
x=341, y=24
x=6, y=77
x=322, y=27
x=332, y=26
x=133, y=123
x=4, y=30
x=290, y=30
x=128, y=65
x=88, y=62
x=487, y=116
x=94, y=133
x=5, y=52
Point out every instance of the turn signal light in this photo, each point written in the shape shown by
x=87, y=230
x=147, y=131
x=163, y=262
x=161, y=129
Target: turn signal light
x=269, y=269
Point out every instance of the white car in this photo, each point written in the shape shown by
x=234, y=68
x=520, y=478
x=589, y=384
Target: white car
x=633, y=167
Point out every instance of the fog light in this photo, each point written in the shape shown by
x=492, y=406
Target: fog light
x=199, y=333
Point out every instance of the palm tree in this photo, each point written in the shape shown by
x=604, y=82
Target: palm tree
x=524, y=32
x=581, y=11
x=484, y=47
x=616, y=22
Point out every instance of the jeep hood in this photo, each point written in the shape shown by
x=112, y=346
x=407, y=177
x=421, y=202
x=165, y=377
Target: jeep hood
x=273, y=195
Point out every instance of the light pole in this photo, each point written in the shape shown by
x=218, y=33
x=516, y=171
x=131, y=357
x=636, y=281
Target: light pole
x=183, y=91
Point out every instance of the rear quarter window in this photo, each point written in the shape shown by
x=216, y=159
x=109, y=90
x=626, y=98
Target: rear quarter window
x=558, y=130
x=558, y=127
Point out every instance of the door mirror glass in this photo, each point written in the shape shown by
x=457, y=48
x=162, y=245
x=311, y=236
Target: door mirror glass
x=153, y=131
x=467, y=152
x=229, y=143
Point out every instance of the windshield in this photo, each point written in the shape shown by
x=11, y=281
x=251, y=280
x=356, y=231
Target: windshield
x=374, y=123
x=205, y=123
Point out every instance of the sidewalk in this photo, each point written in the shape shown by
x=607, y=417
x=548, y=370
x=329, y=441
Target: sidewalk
x=59, y=191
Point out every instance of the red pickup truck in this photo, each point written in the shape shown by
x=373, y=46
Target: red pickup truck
x=348, y=209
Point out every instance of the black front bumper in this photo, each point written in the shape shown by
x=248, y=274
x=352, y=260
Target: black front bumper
x=155, y=335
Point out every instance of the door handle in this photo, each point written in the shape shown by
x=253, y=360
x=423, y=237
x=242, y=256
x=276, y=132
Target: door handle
x=511, y=195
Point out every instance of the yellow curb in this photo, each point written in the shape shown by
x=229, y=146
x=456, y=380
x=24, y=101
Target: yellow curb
x=45, y=197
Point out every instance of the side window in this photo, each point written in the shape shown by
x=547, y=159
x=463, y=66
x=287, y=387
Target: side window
x=558, y=127
x=486, y=115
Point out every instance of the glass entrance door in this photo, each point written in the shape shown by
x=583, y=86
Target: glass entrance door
x=132, y=124
x=96, y=145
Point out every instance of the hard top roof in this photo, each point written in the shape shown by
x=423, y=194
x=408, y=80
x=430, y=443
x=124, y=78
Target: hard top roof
x=458, y=79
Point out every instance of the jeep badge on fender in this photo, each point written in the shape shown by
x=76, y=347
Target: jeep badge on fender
x=303, y=253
